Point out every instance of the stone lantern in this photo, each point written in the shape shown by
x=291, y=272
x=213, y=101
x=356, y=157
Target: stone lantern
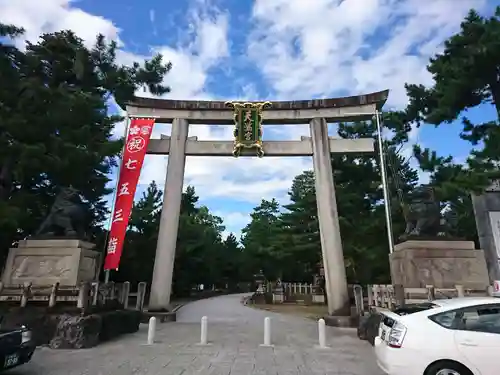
x=259, y=280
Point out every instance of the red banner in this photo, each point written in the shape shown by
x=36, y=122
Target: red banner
x=134, y=152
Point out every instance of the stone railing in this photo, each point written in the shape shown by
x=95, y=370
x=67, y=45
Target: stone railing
x=294, y=292
x=298, y=288
x=85, y=295
x=292, y=287
x=390, y=296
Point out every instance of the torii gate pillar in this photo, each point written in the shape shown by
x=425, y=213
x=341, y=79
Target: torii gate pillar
x=328, y=218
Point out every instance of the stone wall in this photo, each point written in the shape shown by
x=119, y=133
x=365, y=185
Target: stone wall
x=66, y=327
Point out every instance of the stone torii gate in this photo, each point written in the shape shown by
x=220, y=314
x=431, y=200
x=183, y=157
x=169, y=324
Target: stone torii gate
x=316, y=113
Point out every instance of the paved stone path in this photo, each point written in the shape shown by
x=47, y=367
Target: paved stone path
x=234, y=331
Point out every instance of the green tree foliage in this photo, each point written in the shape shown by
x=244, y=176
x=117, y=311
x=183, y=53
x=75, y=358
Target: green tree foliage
x=453, y=185
x=287, y=243
x=200, y=234
x=359, y=200
x=231, y=263
x=55, y=129
x=299, y=238
x=202, y=256
x=258, y=238
x=466, y=75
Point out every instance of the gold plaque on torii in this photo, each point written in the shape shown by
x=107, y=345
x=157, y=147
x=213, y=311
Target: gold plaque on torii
x=248, y=126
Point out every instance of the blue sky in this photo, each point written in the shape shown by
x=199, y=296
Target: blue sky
x=265, y=49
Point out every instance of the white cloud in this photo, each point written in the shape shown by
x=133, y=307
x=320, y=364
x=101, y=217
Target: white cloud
x=327, y=47
x=55, y=15
x=247, y=179
x=311, y=49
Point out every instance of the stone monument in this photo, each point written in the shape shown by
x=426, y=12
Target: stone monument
x=58, y=253
x=428, y=255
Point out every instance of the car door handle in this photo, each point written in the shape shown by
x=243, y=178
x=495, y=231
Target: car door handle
x=468, y=344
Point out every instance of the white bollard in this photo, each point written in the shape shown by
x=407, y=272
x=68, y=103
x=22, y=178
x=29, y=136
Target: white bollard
x=322, y=334
x=267, y=332
x=204, y=331
x=151, y=330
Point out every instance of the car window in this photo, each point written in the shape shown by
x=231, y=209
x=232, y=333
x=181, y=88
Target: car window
x=448, y=319
x=484, y=318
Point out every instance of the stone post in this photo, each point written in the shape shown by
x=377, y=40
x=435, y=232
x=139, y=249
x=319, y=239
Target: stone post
x=95, y=293
x=125, y=295
x=161, y=285
x=359, y=300
x=460, y=291
x=399, y=295
x=26, y=293
x=53, y=295
x=111, y=290
x=141, y=293
x=431, y=292
x=331, y=244
x=83, y=295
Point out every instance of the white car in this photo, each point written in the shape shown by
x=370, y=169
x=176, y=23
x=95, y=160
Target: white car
x=458, y=336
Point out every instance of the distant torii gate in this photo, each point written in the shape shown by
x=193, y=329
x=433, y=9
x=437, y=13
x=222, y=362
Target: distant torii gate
x=318, y=113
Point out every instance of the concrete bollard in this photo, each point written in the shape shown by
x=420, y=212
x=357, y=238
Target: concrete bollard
x=151, y=330
x=322, y=334
x=267, y=332
x=204, y=331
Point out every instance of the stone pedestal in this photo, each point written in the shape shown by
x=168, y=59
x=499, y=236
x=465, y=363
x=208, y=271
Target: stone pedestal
x=46, y=262
x=444, y=264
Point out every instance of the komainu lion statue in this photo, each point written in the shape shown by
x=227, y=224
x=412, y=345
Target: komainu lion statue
x=67, y=217
x=422, y=214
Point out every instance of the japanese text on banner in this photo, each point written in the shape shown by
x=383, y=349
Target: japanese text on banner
x=133, y=157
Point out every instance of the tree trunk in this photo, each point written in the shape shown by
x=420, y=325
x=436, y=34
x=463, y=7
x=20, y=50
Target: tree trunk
x=495, y=95
x=5, y=181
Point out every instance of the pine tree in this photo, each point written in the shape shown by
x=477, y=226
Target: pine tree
x=465, y=76
x=298, y=242
x=55, y=129
x=258, y=238
x=357, y=178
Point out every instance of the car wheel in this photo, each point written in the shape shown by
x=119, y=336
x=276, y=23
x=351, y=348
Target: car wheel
x=448, y=368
